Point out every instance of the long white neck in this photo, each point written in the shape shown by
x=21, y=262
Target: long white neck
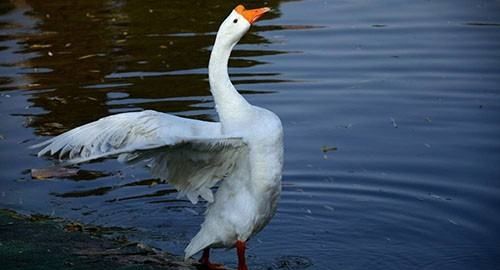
x=229, y=103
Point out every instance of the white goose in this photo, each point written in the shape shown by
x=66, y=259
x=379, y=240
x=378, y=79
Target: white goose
x=245, y=149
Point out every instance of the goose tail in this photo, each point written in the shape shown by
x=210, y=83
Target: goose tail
x=198, y=243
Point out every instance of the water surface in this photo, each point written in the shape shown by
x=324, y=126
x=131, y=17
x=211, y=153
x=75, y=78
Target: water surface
x=405, y=95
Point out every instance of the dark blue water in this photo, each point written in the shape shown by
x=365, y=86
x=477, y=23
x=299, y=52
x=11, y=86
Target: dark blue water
x=407, y=94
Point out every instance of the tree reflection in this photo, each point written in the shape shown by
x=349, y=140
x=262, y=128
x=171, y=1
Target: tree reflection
x=81, y=48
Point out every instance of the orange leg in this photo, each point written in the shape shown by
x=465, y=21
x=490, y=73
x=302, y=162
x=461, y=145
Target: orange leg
x=240, y=250
x=206, y=264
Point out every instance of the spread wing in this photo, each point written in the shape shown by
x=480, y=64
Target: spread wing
x=194, y=167
x=192, y=155
x=125, y=132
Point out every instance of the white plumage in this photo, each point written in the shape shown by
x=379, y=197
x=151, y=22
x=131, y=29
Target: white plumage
x=244, y=149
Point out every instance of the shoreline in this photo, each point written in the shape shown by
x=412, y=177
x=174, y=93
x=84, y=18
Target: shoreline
x=42, y=242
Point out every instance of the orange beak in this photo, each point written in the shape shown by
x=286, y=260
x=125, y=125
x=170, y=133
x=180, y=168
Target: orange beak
x=252, y=15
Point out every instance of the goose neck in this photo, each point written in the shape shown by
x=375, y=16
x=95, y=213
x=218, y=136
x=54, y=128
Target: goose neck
x=229, y=103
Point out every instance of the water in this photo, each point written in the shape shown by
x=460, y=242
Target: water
x=406, y=92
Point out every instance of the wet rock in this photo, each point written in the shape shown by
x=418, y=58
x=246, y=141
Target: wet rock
x=40, y=242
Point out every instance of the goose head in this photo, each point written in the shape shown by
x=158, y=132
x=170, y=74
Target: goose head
x=226, y=97
x=237, y=24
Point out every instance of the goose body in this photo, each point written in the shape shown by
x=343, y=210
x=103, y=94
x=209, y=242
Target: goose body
x=246, y=200
x=244, y=151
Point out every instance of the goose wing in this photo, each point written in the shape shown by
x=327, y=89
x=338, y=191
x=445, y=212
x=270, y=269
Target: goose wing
x=193, y=167
x=125, y=132
x=192, y=155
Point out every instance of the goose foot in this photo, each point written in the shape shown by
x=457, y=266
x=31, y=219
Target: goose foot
x=205, y=263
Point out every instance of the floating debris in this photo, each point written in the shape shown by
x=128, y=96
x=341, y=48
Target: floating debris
x=327, y=207
x=59, y=99
x=435, y=196
x=70, y=173
x=438, y=197
x=87, y=56
x=394, y=124
x=2, y=137
x=326, y=149
x=345, y=126
x=50, y=53
x=40, y=46
x=51, y=172
x=54, y=125
x=291, y=262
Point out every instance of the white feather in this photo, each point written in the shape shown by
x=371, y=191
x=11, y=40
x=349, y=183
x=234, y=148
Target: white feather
x=126, y=132
x=245, y=149
x=192, y=167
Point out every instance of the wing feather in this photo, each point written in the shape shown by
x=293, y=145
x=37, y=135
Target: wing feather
x=193, y=167
x=125, y=132
x=192, y=155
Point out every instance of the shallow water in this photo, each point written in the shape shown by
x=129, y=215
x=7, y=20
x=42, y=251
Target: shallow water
x=408, y=93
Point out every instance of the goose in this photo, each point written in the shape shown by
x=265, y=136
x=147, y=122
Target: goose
x=242, y=153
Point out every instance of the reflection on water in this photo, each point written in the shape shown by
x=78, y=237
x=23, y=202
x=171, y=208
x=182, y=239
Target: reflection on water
x=407, y=95
x=83, y=52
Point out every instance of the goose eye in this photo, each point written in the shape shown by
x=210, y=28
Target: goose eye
x=235, y=21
